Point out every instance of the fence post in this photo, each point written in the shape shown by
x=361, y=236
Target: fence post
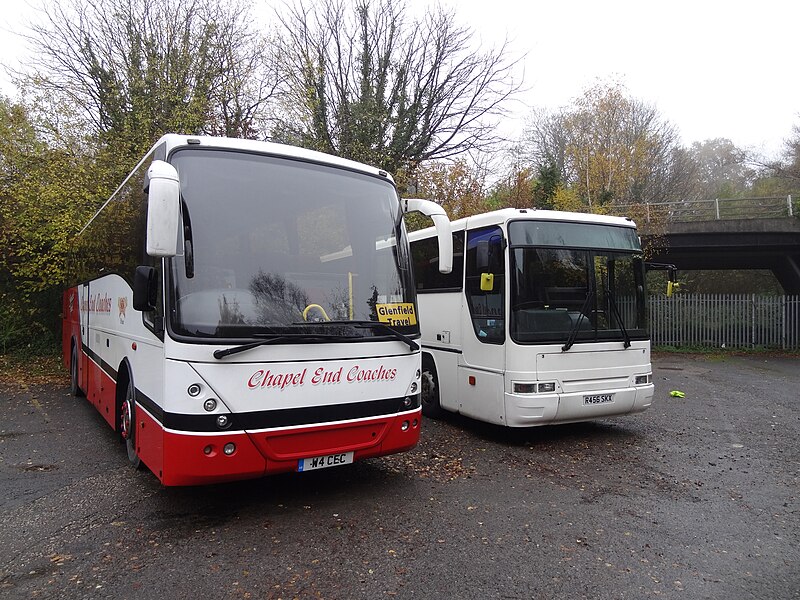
x=716, y=207
x=789, y=204
x=783, y=323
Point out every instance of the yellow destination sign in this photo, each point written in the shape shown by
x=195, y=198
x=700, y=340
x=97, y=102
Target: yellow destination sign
x=397, y=313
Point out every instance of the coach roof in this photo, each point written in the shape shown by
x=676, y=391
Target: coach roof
x=173, y=141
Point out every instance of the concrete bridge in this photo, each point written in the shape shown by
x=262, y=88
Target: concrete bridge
x=741, y=233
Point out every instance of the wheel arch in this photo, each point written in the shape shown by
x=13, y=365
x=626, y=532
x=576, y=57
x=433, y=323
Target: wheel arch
x=75, y=359
x=431, y=396
x=428, y=359
x=124, y=377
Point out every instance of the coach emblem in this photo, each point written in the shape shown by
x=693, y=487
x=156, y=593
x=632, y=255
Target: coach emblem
x=122, y=305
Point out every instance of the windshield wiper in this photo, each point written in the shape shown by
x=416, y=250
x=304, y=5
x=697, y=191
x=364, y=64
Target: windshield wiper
x=618, y=316
x=302, y=338
x=375, y=325
x=393, y=332
x=574, y=331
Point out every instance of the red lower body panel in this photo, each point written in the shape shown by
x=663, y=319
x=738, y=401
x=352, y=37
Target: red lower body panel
x=200, y=459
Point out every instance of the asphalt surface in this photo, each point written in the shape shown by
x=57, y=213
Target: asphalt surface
x=695, y=498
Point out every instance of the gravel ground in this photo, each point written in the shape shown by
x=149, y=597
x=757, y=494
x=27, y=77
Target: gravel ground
x=695, y=498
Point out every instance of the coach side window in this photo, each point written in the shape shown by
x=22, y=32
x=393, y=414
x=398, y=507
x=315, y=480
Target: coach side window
x=485, y=283
x=425, y=254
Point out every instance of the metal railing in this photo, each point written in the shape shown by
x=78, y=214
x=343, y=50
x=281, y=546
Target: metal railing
x=767, y=207
x=725, y=321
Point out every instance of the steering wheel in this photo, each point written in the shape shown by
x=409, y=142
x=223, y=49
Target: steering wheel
x=317, y=307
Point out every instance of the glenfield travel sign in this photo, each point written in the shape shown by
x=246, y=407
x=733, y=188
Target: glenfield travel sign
x=397, y=313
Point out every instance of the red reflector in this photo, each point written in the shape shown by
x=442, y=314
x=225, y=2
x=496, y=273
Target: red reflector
x=471, y=380
x=133, y=346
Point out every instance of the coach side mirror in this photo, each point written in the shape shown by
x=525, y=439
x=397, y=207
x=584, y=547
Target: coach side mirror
x=444, y=232
x=163, y=209
x=145, y=289
x=672, y=275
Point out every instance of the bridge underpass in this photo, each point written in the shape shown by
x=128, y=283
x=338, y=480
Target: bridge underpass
x=736, y=234
x=767, y=244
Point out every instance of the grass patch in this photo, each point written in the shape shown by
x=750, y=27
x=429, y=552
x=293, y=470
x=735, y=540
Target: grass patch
x=715, y=353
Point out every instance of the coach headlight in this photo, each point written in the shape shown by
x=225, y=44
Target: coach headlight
x=532, y=387
x=643, y=379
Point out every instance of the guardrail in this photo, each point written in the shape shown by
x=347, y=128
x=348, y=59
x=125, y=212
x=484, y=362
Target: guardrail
x=767, y=207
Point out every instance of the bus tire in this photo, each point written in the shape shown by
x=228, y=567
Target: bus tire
x=74, y=386
x=127, y=423
x=431, y=407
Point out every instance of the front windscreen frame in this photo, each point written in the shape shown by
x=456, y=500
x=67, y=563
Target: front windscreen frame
x=296, y=244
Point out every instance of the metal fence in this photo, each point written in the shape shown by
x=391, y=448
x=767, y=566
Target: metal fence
x=725, y=321
x=710, y=210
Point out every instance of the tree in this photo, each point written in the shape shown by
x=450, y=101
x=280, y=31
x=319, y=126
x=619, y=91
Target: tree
x=141, y=68
x=610, y=149
x=787, y=169
x=722, y=170
x=366, y=82
x=547, y=184
x=515, y=190
x=791, y=155
x=47, y=192
x=456, y=186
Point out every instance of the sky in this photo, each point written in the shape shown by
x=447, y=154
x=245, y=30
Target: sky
x=714, y=69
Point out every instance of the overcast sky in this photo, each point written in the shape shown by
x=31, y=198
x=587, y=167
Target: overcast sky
x=713, y=68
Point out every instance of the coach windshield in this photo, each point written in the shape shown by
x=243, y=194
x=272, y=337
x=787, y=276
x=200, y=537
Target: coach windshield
x=276, y=247
x=575, y=282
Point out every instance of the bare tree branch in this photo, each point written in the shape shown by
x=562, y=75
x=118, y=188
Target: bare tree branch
x=139, y=68
x=367, y=83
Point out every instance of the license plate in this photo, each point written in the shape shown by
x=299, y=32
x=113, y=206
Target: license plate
x=598, y=399
x=322, y=462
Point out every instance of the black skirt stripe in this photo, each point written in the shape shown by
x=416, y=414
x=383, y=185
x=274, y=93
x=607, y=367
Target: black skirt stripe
x=286, y=417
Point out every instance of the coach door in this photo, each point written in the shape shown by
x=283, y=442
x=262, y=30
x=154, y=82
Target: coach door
x=481, y=368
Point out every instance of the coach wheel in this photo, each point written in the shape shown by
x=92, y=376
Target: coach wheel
x=128, y=424
x=74, y=388
x=430, y=390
